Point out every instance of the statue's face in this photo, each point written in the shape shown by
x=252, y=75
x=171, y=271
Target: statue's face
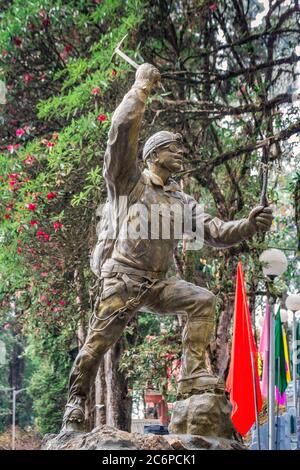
x=170, y=156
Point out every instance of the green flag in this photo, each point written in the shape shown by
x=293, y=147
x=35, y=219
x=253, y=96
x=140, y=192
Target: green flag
x=280, y=369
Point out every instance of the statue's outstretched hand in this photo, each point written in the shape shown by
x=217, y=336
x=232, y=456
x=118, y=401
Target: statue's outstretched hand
x=261, y=218
x=149, y=73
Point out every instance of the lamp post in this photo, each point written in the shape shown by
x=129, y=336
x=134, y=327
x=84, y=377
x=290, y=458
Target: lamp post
x=283, y=315
x=293, y=303
x=274, y=264
x=15, y=393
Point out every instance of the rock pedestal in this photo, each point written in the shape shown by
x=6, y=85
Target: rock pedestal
x=199, y=422
x=108, y=438
x=207, y=414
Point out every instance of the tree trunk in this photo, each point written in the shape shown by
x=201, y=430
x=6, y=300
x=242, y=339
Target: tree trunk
x=118, y=403
x=219, y=350
x=100, y=396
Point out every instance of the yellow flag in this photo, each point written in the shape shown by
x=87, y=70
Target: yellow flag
x=286, y=356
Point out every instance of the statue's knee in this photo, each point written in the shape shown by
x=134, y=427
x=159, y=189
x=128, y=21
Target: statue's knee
x=210, y=300
x=85, y=358
x=204, y=305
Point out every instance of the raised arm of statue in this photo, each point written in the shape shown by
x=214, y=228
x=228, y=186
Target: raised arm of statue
x=120, y=159
x=220, y=234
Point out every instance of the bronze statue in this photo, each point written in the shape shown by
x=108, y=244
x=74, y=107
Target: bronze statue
x=133, y=271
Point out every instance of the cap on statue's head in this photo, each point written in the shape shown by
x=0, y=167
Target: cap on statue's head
x=159, y=140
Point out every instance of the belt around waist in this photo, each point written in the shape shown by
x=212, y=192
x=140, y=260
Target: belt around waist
x=119, y=268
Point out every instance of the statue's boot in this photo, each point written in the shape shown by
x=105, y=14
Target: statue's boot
x=194, y=377
x=74, y=416
x=204, y=383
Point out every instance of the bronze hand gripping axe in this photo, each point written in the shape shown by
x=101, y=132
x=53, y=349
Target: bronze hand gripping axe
x=125, y=57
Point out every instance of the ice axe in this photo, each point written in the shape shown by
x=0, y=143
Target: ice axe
x=127, y=58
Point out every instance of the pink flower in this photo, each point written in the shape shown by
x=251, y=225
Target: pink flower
x=95, y=91
x=51, y=195
x=68, y=48
x=169, y=356
x=20, y=132
x=6, y=216
x=31, y=206
x=33, y=223
x=43, y=298
x=44, y=274
x=41, y=235
x=36, y=266
x=10, y=148
x=149, y=338
x=27, y=77
x=17, y=41
x=62, y=302
x=50, y=144
x=114, y=72
x=46, y=22
x=7, y=326
x=4, y=53
x=45, y=18
x=29, y=160
x=178, y=363
x=101, y=117
x=213, y=7
x=57, y=225
x=19, y=249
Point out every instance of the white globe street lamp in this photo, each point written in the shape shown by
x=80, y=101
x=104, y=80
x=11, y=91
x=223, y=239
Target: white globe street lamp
x=274, y=264
x=293, y=303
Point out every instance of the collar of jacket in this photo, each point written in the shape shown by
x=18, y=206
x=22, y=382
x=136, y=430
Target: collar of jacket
x=157, y=181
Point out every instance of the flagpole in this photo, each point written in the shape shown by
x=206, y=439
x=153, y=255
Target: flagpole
x=271, y=388
x=255, y=401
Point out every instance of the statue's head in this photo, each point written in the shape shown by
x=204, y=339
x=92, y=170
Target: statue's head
x=164, y=149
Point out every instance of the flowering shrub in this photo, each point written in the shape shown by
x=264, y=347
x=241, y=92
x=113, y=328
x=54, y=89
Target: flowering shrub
x=51, y=150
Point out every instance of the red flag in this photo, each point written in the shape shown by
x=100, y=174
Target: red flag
x=240, y=378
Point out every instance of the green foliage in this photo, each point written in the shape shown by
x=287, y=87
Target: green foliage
x=48, y=387
x=51, y=173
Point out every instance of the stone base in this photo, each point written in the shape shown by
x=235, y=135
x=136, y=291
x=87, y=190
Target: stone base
x=207, y=414
x=108, y=438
